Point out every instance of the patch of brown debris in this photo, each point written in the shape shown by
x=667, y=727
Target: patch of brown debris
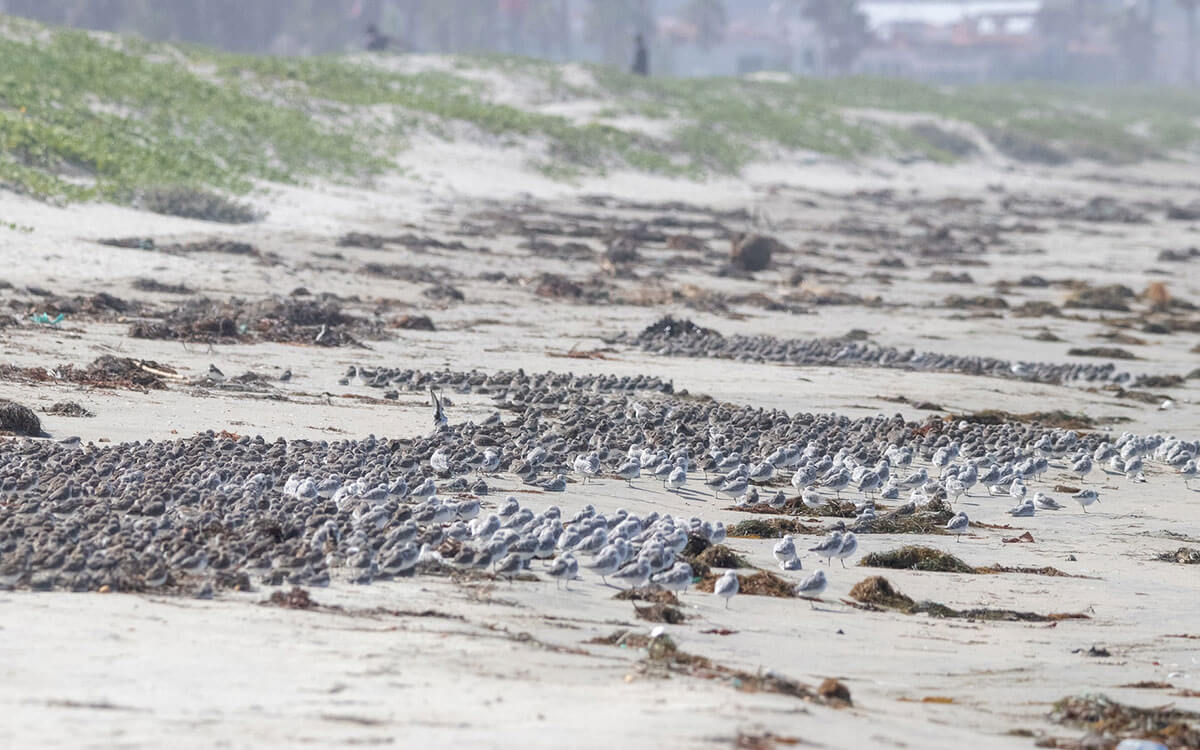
x=877, y=592
x=1107, y=723
x=762, y=583
x=104, y=372
x=664, y=659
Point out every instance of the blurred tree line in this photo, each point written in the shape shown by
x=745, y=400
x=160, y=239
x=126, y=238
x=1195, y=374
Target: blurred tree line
x=238, y=25
x=1134, y=28
x=544, y=28
x=256, y=26
x=566, y=29
x=535, y=27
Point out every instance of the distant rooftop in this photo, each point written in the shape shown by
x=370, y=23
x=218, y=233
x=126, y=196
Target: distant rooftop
x=881, y=13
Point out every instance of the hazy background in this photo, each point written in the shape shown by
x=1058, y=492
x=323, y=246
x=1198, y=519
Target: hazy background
x=1094, y=41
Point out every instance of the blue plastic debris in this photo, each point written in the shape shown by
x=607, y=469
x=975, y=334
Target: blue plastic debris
x=1140, y=745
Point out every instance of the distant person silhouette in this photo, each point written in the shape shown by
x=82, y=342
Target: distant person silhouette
x=376, y=41
x=641, y=57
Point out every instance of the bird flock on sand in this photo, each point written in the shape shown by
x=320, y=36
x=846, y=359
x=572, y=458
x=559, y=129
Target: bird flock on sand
x=220, y=510
x=682, y=338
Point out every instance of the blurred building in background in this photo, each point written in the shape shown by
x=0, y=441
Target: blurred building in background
x=947, y=41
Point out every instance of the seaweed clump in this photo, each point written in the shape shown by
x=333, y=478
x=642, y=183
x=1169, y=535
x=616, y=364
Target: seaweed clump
x=1107, y=352
x=1058, y=418
x=907, y=519
x=297, y=598
x=720, y=556
x=935, y=561
x=762, y=583
x=660, y=613
x=877, y=593
x=1108, y=722
x=663, y=658
x=321, y=321
x=917, y=558
x=1113, y=297
x=19, y=419
x=105, y=371
x=1183, y=556
x=669, y=328
x=69, y=409
x=655, y=596
x=703, y=557
x=768, y=528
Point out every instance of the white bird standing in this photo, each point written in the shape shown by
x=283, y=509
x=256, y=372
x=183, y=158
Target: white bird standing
x=1188, y=471
x=958, y=525
x=678, y=578
x=564, y=569
x=785, y=549
x=1086, y=498
x=955, y=489
x=726, y=587
x=439, y=414
x=848, y=548
x=812, y=587
x=677, y=478
x=829, y=546
x=630, y=470
x=636, y=574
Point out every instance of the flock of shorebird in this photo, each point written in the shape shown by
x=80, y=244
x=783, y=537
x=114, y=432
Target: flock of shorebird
x=678, y=338
x=730, y=476
x=222, y=509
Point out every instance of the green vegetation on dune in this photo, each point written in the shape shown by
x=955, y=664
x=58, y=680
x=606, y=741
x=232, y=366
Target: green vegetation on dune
x=1111, y=124
x=448, y=97
x=80, y=118
x=750, y=115
x=93, y=116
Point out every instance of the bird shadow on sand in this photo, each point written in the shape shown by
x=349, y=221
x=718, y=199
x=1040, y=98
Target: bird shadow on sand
x=816, y=607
